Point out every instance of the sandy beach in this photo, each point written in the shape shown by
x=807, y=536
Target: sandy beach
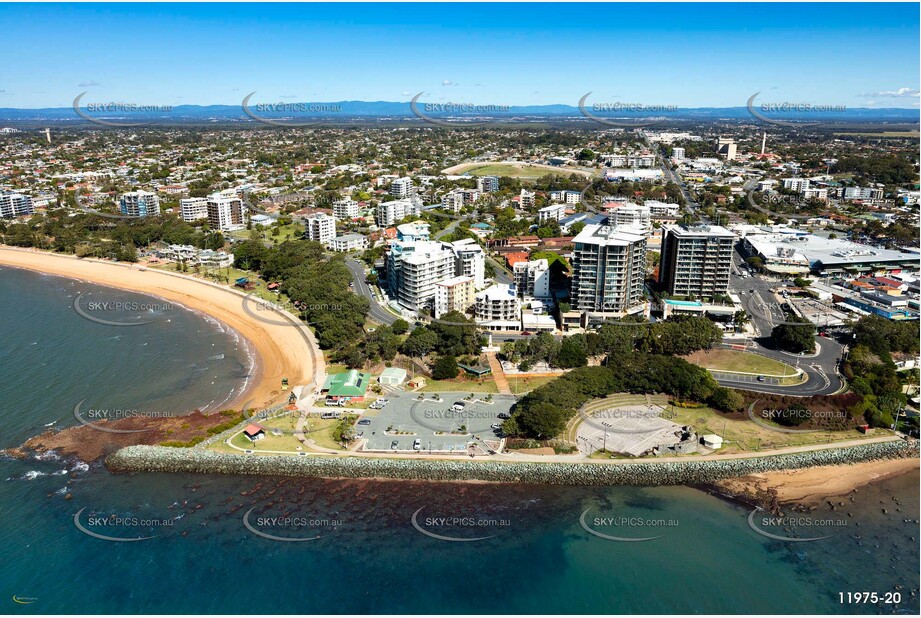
x=808, y=486
x=281, y=350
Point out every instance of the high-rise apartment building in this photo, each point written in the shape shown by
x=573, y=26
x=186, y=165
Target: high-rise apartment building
x=695, y=260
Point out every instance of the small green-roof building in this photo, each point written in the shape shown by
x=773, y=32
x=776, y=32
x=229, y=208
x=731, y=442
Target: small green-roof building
x=352, y=383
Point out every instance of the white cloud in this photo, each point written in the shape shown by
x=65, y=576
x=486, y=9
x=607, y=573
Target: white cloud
x=447, y=82
x=88, y=84
x=901, y=92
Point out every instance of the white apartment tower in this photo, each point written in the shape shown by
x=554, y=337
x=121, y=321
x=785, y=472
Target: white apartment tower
x=498, y=308
x=193, y=208
x=320, y=227
x=345, y=210
x=527, y=199
x=389, y=213
x=401, y=187
x=454, y=294
x=532, y=279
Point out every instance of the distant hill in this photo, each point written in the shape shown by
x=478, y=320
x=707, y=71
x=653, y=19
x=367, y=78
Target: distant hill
x=401, y=110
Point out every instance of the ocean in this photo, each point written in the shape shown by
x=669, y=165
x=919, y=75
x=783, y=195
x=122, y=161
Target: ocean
x=182, y=543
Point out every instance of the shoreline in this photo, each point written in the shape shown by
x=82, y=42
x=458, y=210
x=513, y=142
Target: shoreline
x=810, y=487
x=275, y=349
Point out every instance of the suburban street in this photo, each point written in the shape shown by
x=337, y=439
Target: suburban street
x=377, y=312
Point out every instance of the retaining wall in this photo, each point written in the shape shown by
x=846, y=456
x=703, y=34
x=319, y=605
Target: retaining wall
x=645, y=473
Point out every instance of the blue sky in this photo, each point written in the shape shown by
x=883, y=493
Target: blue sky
x=689, y=55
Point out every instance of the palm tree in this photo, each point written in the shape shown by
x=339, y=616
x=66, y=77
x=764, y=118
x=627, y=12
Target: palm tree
x=740, y=318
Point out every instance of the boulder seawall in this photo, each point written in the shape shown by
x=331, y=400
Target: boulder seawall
x=643, y=473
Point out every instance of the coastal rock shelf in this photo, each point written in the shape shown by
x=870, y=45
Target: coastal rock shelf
x=164, y=459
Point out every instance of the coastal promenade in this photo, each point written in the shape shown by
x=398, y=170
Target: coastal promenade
x=665, y=471
x=282, y=346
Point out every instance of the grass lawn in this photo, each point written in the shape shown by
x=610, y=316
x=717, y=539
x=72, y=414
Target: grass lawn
x=735, y=360
x=285, y=232
x=739, y=433
x=526, y=385
x=317, y=429
x=459, y=386
x=516, y=170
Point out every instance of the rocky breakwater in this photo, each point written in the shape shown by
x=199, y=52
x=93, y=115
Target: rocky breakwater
x=645, y=473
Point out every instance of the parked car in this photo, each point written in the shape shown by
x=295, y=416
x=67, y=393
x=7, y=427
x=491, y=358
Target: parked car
x=761, y=378
x=394, y=444
x=364, y=421
x=417, y=444
x=496, y=426
x=504, y=415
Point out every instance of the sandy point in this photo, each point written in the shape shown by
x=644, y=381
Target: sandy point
x=283, y=346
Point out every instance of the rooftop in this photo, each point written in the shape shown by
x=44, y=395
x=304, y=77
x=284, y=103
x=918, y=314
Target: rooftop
x=609, y=235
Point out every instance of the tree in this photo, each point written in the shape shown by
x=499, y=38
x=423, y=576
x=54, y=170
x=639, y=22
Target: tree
x=445, y=368
x=796, y=336
x=400, y=327
x=541, y=419
x=249, y=255
x=420, y=342
x=740, y=318
x=726, y=400
x=572, y=353
x=456, y=334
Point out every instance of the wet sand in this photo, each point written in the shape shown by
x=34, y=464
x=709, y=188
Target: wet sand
x=810, y=486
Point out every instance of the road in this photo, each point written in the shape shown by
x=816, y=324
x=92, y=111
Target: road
x=377, y=312
x=672, y=176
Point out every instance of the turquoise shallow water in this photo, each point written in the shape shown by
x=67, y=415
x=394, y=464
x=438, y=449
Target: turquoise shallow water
x=369, y=557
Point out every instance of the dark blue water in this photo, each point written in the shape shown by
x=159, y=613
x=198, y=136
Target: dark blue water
x=369, y=557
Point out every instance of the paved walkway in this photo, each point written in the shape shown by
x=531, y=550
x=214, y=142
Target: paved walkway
x=498, y=374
